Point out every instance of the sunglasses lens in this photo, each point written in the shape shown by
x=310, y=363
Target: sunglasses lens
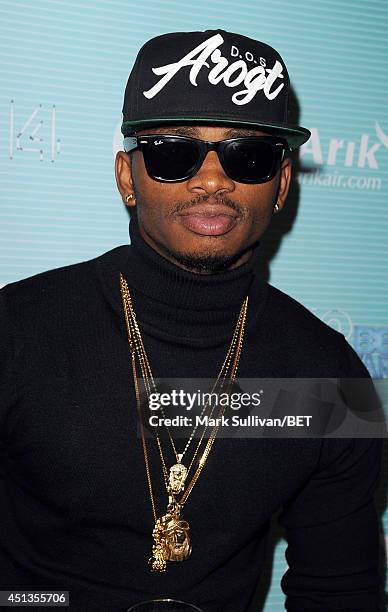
x=171, y=159
x=249, y=161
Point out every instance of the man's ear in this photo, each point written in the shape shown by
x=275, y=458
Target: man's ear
x=124, y=181
x=284, y=183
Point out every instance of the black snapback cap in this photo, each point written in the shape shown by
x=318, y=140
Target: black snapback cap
x=212, y=77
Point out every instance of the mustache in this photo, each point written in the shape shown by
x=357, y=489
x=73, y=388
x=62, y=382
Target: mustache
x=224, y=200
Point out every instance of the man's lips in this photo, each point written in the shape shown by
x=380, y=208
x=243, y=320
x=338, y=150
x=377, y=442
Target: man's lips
x=209, y=220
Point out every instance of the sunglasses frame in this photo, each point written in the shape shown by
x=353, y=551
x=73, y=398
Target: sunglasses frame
x=131, y=143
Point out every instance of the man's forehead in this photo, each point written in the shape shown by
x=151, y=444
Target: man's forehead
x=195, y=131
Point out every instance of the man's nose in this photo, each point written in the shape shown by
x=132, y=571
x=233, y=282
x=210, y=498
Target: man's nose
x=211, y=178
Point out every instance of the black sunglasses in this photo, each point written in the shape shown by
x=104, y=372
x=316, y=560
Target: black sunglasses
x=170, y=159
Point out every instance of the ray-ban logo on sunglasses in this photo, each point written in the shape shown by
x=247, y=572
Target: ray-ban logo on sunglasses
x=158, y=142
x=232, y=75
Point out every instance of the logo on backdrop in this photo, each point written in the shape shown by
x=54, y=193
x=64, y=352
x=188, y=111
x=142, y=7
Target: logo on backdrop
x=339, y=320
x=25, y=132
x=371, y=343
x=333, y=165
x=239, y=72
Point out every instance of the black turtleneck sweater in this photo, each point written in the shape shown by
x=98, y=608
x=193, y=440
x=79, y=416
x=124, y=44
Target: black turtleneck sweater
x=75, y=512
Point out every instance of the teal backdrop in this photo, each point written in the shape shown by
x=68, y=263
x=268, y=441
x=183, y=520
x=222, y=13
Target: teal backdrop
x=63, y=72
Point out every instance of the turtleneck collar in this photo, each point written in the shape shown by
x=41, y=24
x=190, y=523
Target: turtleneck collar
x=177, y=305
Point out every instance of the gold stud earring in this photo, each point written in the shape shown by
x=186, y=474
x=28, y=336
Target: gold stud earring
x=129, y=197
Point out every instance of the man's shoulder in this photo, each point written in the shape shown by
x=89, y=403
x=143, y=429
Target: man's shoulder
x=298, y=326
x=57, y=287
x=283, y=303
x=308, y=341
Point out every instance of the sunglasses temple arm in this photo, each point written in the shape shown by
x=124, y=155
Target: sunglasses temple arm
x=130, y=143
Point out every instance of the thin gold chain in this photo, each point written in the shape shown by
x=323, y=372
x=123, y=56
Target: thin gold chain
x=146, y=369
x=148, y=378
x=137, y=349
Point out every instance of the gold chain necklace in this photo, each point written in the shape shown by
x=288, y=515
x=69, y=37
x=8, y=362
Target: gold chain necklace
x=147, y=374
x=171, y=533
x=148, y=377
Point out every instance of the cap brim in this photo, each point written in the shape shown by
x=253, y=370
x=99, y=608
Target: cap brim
x=294, y=134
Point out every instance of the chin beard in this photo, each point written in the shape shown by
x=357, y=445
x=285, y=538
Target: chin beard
x=204, y=263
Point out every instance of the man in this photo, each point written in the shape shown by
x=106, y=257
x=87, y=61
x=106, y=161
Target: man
x=86, y=498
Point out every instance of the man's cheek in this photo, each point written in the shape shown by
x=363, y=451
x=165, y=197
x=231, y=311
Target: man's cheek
x=261, y=221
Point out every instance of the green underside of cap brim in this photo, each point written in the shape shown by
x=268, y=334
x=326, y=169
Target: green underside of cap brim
x=294, y=134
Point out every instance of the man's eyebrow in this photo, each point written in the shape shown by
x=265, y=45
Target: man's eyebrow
x=179, y=130
x=241, y=132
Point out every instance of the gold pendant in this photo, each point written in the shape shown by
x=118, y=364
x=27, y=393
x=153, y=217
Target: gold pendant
x=177, y=478
x=171, y=539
